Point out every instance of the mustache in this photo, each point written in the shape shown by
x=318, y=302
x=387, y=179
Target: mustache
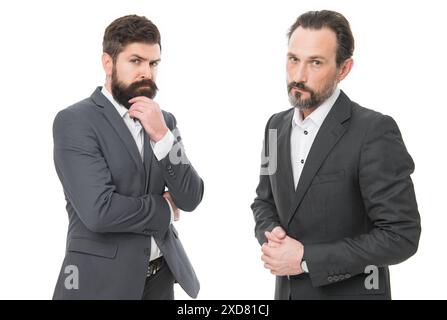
x=298, y=85
x=143, y=83
x=123, y=93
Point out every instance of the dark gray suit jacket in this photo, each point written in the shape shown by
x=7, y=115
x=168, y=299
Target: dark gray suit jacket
x=115, y=203
x=354, y=205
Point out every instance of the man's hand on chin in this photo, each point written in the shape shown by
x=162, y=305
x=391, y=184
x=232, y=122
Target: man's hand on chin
x=150, y=115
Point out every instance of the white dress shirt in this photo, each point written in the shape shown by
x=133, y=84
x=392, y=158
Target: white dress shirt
x=160, y=148
x=304, y=133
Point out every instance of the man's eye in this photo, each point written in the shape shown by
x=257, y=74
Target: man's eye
x=293, y=59
x=136, y=61
x=154, y=64
x=316, y=62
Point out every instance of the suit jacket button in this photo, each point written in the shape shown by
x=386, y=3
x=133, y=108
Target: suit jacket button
x=347, y=276
x=147, y=251
x=169, y=167
x=330, y=279
x=336, y=278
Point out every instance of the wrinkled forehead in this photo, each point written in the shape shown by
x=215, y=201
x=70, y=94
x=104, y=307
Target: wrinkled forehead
x=145, y=51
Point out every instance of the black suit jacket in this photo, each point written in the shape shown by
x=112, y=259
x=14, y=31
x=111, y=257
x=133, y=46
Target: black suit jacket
x=354, y=205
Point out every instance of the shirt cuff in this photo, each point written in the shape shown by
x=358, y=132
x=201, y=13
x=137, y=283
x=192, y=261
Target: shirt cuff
x=171, y=210
x=162, y=147
x=304, y=266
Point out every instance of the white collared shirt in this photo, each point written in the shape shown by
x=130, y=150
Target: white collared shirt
x=304, y=132
x=160, y=148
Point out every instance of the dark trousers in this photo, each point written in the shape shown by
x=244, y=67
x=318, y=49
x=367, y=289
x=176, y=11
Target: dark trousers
x=159, y=286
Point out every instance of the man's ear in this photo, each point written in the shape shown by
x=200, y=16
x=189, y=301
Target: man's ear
x=344, y=69
x=107, y=64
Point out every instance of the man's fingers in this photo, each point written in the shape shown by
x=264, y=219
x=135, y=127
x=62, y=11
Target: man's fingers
x=143, y=103
x=140, y=98
x=279, y=232
x=277, y=272
x=265, y=249
x=168, y=197
x=274, y=245
x=137, y=108
x=268, y=266
x=271, y=237
x=135, y=114
x=268, y=260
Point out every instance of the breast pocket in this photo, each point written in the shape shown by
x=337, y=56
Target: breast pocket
x=92, y=247
x=329, y=177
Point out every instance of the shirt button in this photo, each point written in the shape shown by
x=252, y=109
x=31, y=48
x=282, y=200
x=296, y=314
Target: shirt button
x=302, y=161
x=305, y=132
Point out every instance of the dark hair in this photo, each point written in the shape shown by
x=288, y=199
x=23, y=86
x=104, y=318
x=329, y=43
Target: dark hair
x=126, y=30
x=334, y=21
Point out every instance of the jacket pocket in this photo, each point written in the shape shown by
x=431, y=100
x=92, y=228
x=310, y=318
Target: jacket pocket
x=329, y=177
x=93, y=247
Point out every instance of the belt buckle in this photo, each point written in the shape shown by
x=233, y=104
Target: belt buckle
x=154, y=266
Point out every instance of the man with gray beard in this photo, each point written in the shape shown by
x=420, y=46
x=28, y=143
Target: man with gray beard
x=339, y=206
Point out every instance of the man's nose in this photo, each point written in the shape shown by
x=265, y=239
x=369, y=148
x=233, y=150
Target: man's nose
x=145, y=71
x=300, y=74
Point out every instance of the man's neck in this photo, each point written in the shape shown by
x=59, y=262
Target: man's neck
x=307, y=112
x=108, y=86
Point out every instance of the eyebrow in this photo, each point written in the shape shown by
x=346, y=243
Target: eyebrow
x=317, y=57
x=289, y=54
x=143, y=59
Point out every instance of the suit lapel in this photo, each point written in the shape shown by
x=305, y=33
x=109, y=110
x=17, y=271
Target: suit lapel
x=118, y=124
x=328, y=135
x=284, y=167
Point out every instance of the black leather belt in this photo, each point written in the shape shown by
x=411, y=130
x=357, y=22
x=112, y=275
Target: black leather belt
x=155, y=266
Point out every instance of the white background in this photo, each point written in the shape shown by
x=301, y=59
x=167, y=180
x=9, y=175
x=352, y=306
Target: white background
x=222, y=75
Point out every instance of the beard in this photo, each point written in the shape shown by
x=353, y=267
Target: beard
x=123, y=93
x=316, y=97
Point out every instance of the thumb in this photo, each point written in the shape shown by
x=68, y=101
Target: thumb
x=279, y=232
